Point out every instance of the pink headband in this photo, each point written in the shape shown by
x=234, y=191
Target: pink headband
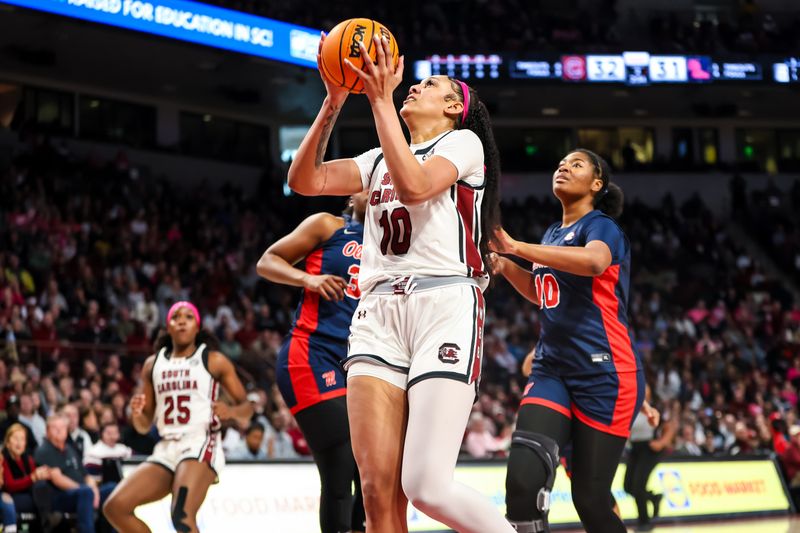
x=465, y=91
x=178, y=305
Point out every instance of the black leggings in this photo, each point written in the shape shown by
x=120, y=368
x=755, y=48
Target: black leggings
x=327, y=431
x=641, y=463
x=595, y=456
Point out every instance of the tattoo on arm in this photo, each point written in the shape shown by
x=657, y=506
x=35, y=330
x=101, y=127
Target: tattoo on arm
x=322, y=145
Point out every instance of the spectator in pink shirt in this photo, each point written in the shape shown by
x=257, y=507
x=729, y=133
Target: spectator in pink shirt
x=480, y=442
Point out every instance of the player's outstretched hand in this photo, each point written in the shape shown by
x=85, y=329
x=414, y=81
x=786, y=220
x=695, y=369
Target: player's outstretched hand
x=137, y=404
x=501, y=242
x=336, y=95
x=326, y=285
x=497, y=264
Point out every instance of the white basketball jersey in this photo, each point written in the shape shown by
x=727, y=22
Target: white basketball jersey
x=185, y=392
x=438, y=237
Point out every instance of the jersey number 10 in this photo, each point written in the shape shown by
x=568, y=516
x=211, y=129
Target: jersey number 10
x=547, y=291
x=181, y=403
x=396, y=231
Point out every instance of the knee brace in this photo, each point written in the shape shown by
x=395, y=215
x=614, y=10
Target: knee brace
x=179, y=513
x=546, y=449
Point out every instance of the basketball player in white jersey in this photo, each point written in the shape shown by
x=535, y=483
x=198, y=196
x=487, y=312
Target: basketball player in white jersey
x=180, y=389
x=415, y=341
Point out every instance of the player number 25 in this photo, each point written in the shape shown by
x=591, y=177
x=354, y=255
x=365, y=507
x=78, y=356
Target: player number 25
x=171, y=402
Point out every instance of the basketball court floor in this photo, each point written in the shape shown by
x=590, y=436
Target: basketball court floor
x=761, y=525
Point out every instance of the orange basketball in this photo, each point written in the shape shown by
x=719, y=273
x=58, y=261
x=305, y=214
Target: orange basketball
x=343, y=43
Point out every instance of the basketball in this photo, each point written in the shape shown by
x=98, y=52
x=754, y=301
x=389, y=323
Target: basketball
x=343, y=43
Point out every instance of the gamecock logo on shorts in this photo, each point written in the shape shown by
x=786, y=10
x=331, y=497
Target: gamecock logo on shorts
x=448, y=353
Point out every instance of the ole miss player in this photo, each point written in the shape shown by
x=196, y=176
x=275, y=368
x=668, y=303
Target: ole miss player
x=415, y=343
x=180, y=388
x=587, y=384
x=309, y=373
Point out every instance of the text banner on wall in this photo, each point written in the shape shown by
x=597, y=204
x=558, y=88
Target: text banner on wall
x=194, y=22
x=284, y=497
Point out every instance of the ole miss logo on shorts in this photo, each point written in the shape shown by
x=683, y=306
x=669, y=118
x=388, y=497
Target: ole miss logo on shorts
x=448, y=353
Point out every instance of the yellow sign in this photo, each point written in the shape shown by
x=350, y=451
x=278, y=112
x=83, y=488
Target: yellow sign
x=284, y=498
x=691, y=489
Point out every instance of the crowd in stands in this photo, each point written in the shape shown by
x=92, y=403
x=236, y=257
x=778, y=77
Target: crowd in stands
x=772, y=217
x=474, y=26
x=93, y=253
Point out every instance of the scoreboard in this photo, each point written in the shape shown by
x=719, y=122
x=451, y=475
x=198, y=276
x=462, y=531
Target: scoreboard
x=629, y=68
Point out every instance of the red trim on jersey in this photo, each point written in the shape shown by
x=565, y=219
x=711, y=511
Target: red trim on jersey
x=320, y=398
x=547, y=403
x=480, y=313
x=605, y=297
x=309, y=312
x=465, y=205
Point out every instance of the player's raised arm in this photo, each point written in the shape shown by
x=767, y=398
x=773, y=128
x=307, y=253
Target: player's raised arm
x=309, y=175
x=589, y=260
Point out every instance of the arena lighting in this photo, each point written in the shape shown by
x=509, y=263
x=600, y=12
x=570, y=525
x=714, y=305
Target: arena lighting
x=184, y=20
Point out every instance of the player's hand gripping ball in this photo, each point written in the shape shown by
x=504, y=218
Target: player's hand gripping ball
x=344, y=42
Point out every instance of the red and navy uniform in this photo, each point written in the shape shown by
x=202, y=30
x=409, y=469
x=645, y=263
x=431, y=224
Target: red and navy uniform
x=308, y=361
x=585, y=364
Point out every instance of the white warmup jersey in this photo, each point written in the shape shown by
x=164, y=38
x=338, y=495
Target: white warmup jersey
x=185, y=392
x=439, y=237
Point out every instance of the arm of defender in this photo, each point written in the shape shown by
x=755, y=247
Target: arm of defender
x=590, y=260
x=277, y=263
x=518, y=277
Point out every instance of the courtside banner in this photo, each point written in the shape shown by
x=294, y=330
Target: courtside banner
x=283, y=498
x=194, y=22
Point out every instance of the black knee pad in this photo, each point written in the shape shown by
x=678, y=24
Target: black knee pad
x=179, y=512
x=546, y=449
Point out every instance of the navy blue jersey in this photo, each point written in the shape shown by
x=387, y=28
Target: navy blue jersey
x=340, y=256
x=585, y=319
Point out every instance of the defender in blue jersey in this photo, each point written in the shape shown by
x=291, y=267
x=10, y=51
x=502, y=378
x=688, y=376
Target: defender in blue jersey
x=309, y=373
x=587, y=383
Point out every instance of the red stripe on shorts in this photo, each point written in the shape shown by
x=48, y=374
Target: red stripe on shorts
x=547, y=403
x=480, y=313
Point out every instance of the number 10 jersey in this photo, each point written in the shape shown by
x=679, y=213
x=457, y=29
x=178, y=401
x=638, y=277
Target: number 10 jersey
x=438, y=237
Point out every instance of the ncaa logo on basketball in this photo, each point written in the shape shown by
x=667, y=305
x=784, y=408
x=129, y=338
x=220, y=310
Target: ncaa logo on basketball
x=448, y=353
x=358, y=38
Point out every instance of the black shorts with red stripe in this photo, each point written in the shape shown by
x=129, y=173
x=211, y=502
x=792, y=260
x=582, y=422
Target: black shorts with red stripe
x=607, y=401
x=309, y=369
